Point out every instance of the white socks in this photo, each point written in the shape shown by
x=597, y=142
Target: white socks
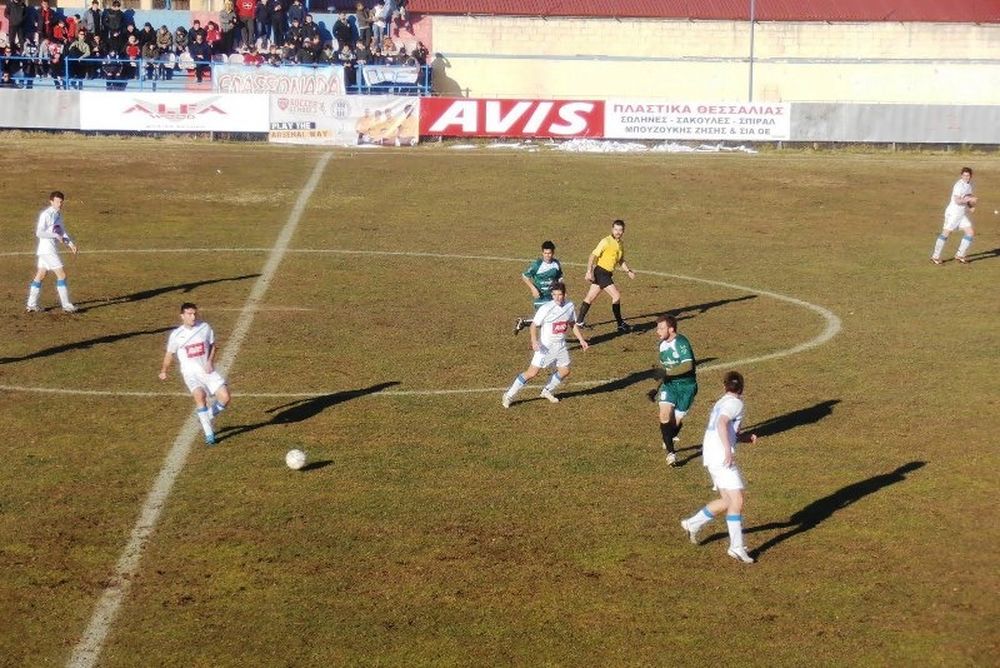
x=735, y=524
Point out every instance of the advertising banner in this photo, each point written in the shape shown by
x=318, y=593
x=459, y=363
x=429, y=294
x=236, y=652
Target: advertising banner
x=390, y=74
x=173, y=112
x=346, y=120
x=323, y=80
x=463, y=117
x=655, y=119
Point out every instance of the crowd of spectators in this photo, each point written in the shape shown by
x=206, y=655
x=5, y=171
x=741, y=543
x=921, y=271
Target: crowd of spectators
x=106, y=44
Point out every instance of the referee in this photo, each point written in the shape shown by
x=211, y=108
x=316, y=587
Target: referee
x=610, y=253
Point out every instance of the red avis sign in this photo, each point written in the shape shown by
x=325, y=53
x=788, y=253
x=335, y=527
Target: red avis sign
x=462, y=117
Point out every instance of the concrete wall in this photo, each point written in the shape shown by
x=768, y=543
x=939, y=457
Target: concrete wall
x=709, y=60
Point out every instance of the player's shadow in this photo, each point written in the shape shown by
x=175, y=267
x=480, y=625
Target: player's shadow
x=822, y=509
x=796, y=418
x=141, y=295
x=301, y=410
x=612, y=386
x=983, y=255
x=82, y=345
x=679, y=312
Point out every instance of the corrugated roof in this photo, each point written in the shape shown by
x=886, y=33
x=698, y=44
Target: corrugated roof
x=965, y=11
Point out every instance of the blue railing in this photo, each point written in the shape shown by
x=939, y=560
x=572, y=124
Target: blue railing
x=168, y=74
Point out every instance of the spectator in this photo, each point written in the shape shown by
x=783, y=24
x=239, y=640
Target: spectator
x=111, y=68
x=97, y=52
x=30, y=68
x=16, y=13
x=6, y=80
x=128, y=32
x=295, y=33
x=227, y=24
x=343, y=32
x=116, y=42
x=296, y=12
x=147, y=35
x=113, y=19
x=276, y=13
x=252, y=57
x=181, y=41
x=150, y=56
x=45, y=21
x=56, y=65
x=201, y=53
x=362, y=21
x=310, y=29
x=402, y=16
x=60, y=33
x=327, y=56
x=245, y=14
x=72, y=26
x=420, y=54
x=213, y=36
x=132, y=48
x=92, y=18
x=378, y=22
x=77, y=49
x=164, y=40
x=304, y=55
x=262, y=21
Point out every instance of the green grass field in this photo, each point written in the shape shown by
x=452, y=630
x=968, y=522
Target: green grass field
x=440, y=529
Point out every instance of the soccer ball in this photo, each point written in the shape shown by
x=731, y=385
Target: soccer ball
x=295, y=459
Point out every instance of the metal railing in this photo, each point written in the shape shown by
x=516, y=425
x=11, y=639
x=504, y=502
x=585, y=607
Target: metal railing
x=166, y=74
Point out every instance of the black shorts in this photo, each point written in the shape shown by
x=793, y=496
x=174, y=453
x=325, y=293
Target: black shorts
x=602, y=278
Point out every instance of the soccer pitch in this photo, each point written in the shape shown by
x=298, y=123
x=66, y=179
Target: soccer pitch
x=369, y=297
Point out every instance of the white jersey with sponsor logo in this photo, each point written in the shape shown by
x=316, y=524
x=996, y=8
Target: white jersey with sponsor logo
x=553, y=320
x=192, y=345
x=713, y=449
x=961, y=189
x=48, y=220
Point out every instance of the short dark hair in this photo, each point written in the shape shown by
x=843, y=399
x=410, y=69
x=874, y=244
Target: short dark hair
x=619, y=221
x=733, y=382
x=548, y=245
x=669, y=319
x=187, y=305
x=558, y=285
x=56, y=193
x=967, y=170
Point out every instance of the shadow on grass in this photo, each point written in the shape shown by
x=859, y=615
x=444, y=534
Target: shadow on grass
x=789, y=421
x=155, y=292
x=313, y=466
x=678, y=312
x=822, y=509
x=983, y=255
x=83, y=345
x=301, y=410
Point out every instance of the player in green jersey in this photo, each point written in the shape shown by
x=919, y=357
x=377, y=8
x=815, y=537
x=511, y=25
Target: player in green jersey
x=539, y=277
x=680, y=385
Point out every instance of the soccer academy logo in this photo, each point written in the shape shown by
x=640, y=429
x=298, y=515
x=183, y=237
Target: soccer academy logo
x=176, y=113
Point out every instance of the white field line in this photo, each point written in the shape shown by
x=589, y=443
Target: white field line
x=89, y=647
x=831, y=329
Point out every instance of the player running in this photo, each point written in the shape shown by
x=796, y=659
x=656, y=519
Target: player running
x=539, y=277
x=680, y=384
x=194, y=344
x=49, y=230
x=548, y=341
x=718, y=455
x=956, y=215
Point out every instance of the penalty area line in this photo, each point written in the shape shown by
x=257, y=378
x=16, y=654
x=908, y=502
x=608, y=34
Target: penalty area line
x=88, y=649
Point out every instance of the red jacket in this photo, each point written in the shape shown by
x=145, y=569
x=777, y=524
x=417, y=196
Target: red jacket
x=245, y=9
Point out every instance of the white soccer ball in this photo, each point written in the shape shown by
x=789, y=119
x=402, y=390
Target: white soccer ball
x=295, y=459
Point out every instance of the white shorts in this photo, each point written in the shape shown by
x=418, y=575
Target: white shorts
x=546, y=357
x=210, y=382
x=49, y=262
x=725, y=477
x=954, y=221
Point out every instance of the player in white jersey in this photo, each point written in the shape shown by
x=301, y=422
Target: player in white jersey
x=548, y=341
x=956, y=215
x=194, y=344
x=718, y=455
x=50, y=230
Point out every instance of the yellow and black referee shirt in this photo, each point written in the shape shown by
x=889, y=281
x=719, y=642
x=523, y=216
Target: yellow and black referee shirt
x=610, y=253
